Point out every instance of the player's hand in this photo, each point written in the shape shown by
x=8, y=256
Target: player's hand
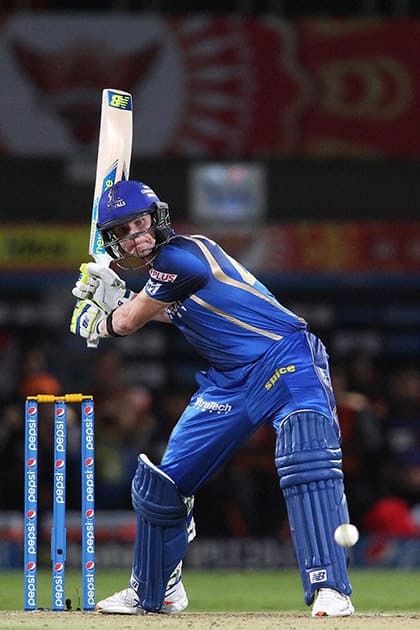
x=102, y=285
x=85, y=321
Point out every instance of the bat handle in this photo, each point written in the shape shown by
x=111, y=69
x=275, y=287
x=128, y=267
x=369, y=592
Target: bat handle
x=92, y=343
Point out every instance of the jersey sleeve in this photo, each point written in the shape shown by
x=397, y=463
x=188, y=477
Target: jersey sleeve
x=176, y=274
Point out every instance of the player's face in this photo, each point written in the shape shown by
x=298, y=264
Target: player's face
x=137, y=236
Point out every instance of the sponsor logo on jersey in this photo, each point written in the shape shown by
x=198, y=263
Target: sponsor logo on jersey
x=152, y=287
x=212, y=405
x=175, y=309
x=277, y=374
x=162, y=276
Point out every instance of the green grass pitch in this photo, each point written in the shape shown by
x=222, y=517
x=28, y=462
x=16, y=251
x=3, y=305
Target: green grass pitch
x=227, y=591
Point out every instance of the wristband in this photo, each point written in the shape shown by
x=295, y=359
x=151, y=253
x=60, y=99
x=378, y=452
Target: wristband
x=109, y=328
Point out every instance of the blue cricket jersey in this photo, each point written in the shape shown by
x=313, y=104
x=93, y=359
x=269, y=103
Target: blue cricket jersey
x=228, y=315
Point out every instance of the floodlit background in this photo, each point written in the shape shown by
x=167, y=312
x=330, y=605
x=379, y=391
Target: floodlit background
x=292, y=137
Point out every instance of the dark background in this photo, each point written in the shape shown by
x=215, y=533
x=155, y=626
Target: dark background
x=370, y=323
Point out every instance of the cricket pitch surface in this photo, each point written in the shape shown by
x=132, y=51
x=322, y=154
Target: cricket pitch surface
x=19, y=620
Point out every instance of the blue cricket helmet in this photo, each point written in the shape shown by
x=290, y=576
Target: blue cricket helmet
x=124, y=201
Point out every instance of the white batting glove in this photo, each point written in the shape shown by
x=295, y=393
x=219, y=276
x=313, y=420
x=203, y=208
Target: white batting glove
x=102, y=285
x=85, y=321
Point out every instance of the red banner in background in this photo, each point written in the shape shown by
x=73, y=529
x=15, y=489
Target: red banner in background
x=301, y=247
x=366, y=80
x=208, y=85
x=202, y=85
x=329, y=247
x=244, y=87
x=273, y=248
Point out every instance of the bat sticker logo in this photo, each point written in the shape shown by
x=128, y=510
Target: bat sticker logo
x=120, y=101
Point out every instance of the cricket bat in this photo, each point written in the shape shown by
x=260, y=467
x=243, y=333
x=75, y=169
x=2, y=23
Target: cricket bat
x=113, y=162
x=114, y=157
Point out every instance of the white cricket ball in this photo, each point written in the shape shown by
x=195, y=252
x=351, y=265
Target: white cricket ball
x=346, y=535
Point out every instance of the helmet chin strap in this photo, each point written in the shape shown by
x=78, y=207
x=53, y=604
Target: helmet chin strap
x=131, y=263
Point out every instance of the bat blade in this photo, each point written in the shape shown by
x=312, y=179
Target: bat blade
x=114, y=157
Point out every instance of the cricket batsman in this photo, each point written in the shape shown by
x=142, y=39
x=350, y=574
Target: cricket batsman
x=265, y=366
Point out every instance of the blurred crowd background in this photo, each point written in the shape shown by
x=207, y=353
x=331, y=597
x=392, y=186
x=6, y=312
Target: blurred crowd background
x=304, y=165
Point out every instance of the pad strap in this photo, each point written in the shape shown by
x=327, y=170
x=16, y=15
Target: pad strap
x=308, y=460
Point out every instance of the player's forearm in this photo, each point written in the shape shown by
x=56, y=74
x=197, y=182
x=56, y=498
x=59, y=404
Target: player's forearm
x=120, y=323
x=132, y=316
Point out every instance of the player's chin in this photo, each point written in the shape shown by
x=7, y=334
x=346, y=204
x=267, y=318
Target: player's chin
x=131, y=262
x=143, y=252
